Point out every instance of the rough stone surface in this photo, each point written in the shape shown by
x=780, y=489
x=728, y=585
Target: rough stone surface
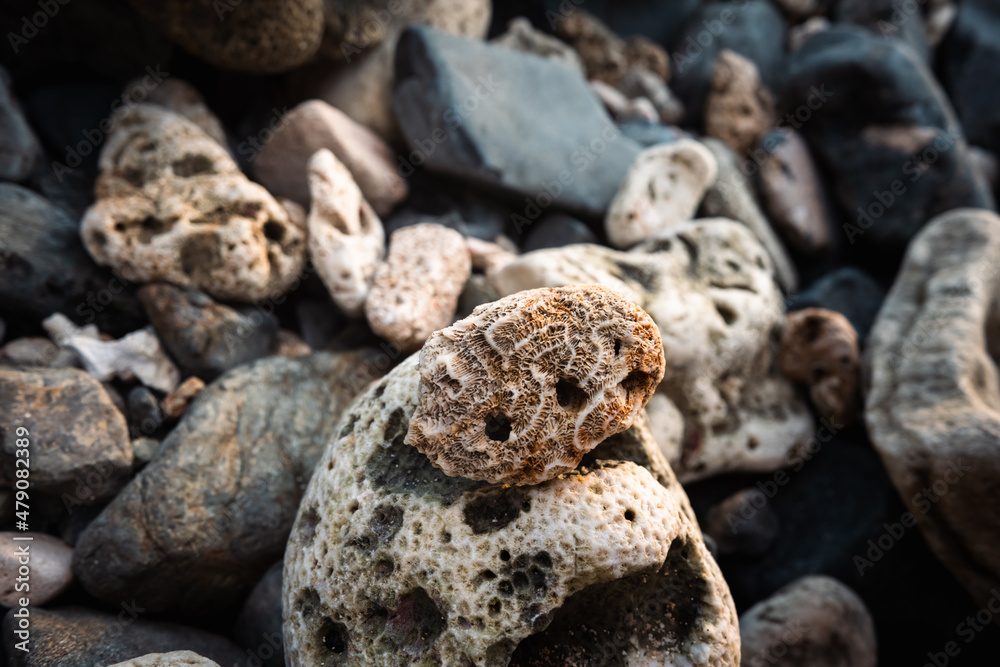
x=521, y=36
x=49, y=562
x=346, y=239
x=605, y=55
x=173, y=206
x=818, y=621
x=932, y=396
x=820, y=347
x=19, y=147
x=415, y=291
x=282, y=166
x=79, y=637
x=436, y=71
x=392, y=561
x=172, y=659
x=206, y=338
x=723, y=404
x=204, y=520
x=76, y=435
x=180, y=97
x=259, y=622
x=662, y=188
x=519, y=391
x=261, y=38
x=739, y=109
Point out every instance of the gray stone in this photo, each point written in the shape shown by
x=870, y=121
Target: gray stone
x=258, y=627
x=19, y=147
x=49, y=559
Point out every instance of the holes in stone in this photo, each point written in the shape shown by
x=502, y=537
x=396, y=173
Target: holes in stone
x=446, y=537
x=732, y=266
x=506, y=588
x=635, y=380
x=753, y=442
x=727, y=314
x=334, y=636
x=384, y=568
x=498, y=427
x=504, y=555
x=543, y=559
x=570, y=396
x=119, y=226
x=520, y=580
x=488, y=575
x=100, y=239
x=618, y=347
x=630, y=515
x=495, y=606
x=192, y=165
x=274, y=231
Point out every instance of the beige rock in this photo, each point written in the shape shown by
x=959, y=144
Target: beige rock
x=138, y=355
x=290, y=345
x=29, y=351
x=519, y=391
x=738, y=108
x=723, y=404
x=393, y=562
x=641, y=82
x=800, y=34
x=180, y=97
x=605, y=55
x=663, y=188
x=815, y=621
x=932, y=404
x=730, y=196
x=282, y=166
x=19, y=147
x=172, y=659
x=176, y=402
x=621, y=107
x=487, y=255
x=521, y=36
x=792, y=192
x=415, y=290
x=939, y=20
x=987, y=164
x=49, y=560
x=346, y=239
x=820, y=347
x=173, y=206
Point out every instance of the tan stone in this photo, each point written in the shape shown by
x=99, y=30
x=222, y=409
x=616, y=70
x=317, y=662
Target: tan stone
x=738, y=108
x=521, y=36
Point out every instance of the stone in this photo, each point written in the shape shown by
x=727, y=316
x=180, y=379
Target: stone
x=734, y=534
x=486, y=256
x=792, y=193
x=29, y=351
x=519, y=391
x=362, y=88
x=605, y=55
x=576, y=151
x=723, y=404
x=932, y=392
x=176, y=402
x=663, y=188
x=77, y=440
x=650, y=134
x=987, y=164
x=892, y=164
x=738, y=109
x=972, y=48
x=814, y=621
x=940, y=18
x=283, y=165
x=49, y=559
x=182, y=98
x=80, y=637
x=800, y=34
x=289, y=344
x=415, y=290
x=731, y=196
x=477, y=292
x=173, y=206
x=219, y=498
x=260, y=39
x=172, y=659
x=144, y=413
x=144, y=449
x=754, y=29
x=820, y=348
x=258, y=626
x=205, y=337
x=621, y=107
x=849, y=291
x=135, y=356
x=20, y=150
x=557, y=229
x=641, y=82
x=887, y=19
x=46, y=270
x=521, y=36
x=391, y=561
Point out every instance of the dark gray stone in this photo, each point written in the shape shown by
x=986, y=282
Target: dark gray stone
x=508, y=121
x=19, y=149
x=849, y=291
x=144, y=414
x=258, y=627
x=887, y=18
x=557, y=229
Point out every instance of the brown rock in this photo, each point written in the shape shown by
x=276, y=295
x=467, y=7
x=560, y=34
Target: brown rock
x=820, y=347
x=738, y=109
x=49, y=560
x=743, y=523
x=641, y=82
x=176, y=402
x=605, y=55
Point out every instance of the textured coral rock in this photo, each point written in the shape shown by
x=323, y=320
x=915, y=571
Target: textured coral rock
x=172, y=659
x=663, y=187
x=173, y=206
x=392, y=562
x=739, y=109
x=932, y=403
x=519, y=391
x=723, y=404
x=346, y=239
x=415, y=290
x=180, y=97
x=815, y=621
x=605, y=55
x=820, y=347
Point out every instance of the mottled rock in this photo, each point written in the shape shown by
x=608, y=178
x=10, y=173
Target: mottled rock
x=557, y=229
x=180, y=97
x=743, y=523
x=219, y=498
x=258, y=38
x=820, y=347
x=932, y=392
x=849, y=291
x=731, y=196
x=739, y=109
x=521, y=36
x=486, y=256
x=289, y=344
x=662, y=188
x=176, y=402
x=49, y=560
x=812, y=622
x=144, y=414
x=75, y=434
x=80, y=637
x=173, y=206
x=135, y=356
x=282, y=166
x=723, y=404
x=622, y=108
x=605, y=55
x=641, y=82
x=172, y=659
x=258, y=627
x=415, y=290
x=792, y=193
x=450, y=112
x=346, y=239
x=206, y=338
x=19, y=147
x=393, y=561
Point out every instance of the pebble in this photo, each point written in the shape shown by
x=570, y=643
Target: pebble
x=29, y=351
x=605, y=55
x=641, y=82
x=20, y=150
x=144, y=414
x=172, y=659
x=743, y=524
x=415, y=290
x=180, y=97
x=50, y=574
x=888, y=19
x=521, y=36
x=176, y=402
x=738, y=109
x=557, y=229
x=290, y=345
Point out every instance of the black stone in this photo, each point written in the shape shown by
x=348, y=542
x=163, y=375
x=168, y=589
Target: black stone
x=849, y=291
